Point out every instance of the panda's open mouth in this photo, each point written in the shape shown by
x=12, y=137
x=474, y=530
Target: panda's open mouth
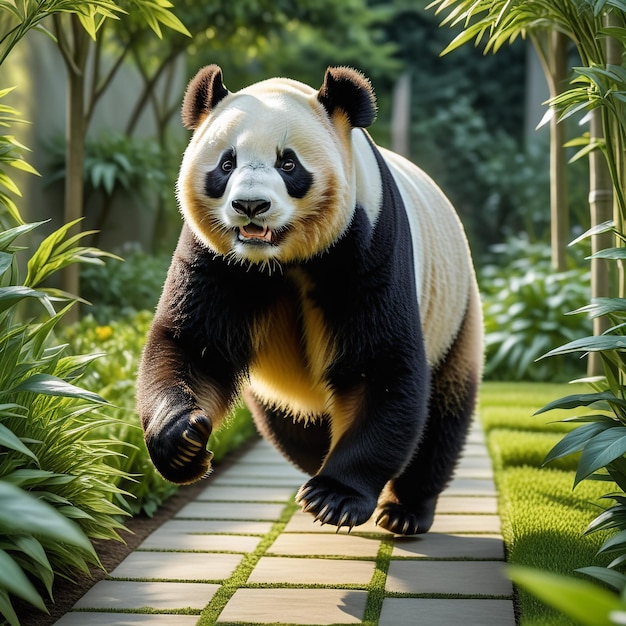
x=253, y=233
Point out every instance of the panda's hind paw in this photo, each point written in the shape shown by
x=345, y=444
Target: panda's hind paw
x=401, y=521
x=331, y=502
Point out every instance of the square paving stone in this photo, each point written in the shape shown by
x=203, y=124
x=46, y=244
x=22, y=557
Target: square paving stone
x=464, y=578
x=114, y=594
x=468, y=504
x=295, y=606
x=471, y=487
x=275, y=569
x=231, y=493
x=125, y=619
x=167, y=540
x=439, y=546
x=302, y=522
x=177, y=566
x=292, y=482
x=231, y=510
x=208, y=527
x=274, y=470
x=412, y=611
x=475, y=462
x=484, y=473
x=466, y=524
x=475, y=448
x=321, y=544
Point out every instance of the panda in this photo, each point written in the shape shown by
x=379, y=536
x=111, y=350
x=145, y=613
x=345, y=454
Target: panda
x=329, y=283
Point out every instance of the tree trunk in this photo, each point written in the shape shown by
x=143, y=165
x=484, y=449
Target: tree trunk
x=75, y=151
x=401, y=115
x=559, y=212
x=601, y=209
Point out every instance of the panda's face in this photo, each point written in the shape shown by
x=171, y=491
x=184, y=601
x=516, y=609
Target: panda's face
x=267, y=178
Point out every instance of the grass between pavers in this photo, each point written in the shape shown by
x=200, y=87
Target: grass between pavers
x=543, y=518
x=241, y=574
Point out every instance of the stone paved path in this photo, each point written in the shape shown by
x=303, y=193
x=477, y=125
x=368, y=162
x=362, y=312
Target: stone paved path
x=243, y=553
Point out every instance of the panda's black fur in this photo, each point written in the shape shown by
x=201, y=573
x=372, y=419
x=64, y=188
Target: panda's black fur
x=382, y=426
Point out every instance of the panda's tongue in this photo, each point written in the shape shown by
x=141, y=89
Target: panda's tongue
x=253, y=231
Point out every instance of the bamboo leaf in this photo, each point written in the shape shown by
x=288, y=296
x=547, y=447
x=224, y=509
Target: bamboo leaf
x=13, y=579
x=574, y=441
x=10, y=440
x=589, y=344
x=598, y=229
x=24, y=513
x=582, y=399
x=586, y=603
x=11, y=295
x=614, y=579
x=49, y=385
x=609, y=253
x=600, y=450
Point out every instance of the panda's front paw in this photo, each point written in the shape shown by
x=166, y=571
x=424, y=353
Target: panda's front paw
x=332, y=502
x=179, y=452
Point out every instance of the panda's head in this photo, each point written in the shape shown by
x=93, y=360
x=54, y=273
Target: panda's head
x=267, y=176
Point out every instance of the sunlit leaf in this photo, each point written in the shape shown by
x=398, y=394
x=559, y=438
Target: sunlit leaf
x=584, y=602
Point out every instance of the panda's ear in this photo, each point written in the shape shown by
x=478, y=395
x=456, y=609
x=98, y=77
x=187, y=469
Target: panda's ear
x=348, y=90
x=204, y=91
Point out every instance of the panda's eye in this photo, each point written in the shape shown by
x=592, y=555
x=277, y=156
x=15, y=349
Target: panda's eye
x=227, y=166
x=288, y=165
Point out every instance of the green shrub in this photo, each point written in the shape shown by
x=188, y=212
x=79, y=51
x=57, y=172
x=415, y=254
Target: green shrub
x=45, y=426
x=125, y=285
x=113, y=376
x=525, y=305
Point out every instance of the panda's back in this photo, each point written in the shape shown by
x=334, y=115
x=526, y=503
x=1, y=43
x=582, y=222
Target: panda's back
x=443, y=270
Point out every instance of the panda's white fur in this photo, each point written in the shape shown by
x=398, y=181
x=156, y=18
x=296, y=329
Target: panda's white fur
x=330, y=282
x=280, y=112
x=256, y=122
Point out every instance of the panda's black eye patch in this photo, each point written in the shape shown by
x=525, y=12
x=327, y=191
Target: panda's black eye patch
x=296, y=177
x=216, y=180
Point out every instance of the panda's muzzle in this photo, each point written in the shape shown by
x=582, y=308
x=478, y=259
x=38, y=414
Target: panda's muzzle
x=253, y=232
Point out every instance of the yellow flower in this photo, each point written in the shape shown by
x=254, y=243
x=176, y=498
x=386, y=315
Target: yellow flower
x=103, y=332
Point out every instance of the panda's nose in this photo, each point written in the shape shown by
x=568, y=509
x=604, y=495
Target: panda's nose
x=251, y=208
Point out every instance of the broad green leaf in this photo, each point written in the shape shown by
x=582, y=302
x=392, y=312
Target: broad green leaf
x=614, y=579
x=20, y=511
x=6, y=260
x=584, y=602
x=11, y=295
x=7, y=237
x=13, y=579
x=577, y=400
x=52, y=386
x=613, y=517
x=609, y=253
x=603, y=306
x=6, y=609
x=600, y=451
x=616, y=541
x=598, y=229
x=8, y=439
x=574, y=441
x=589, y=344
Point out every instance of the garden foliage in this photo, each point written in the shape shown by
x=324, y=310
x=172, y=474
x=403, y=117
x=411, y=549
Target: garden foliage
x=524, y=305
x=57, y=488
x=598, y=29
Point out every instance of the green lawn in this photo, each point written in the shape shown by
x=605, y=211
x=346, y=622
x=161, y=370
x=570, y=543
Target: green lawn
x=543, y=518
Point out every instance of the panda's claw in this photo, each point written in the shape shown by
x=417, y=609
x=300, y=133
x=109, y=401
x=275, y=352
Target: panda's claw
x=331, y=502
x=400, y=521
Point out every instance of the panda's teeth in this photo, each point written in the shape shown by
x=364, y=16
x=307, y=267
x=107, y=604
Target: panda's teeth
x=255, y=232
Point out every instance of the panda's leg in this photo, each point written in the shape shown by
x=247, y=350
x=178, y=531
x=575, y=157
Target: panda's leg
x=304, y=443
x=407, y=504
